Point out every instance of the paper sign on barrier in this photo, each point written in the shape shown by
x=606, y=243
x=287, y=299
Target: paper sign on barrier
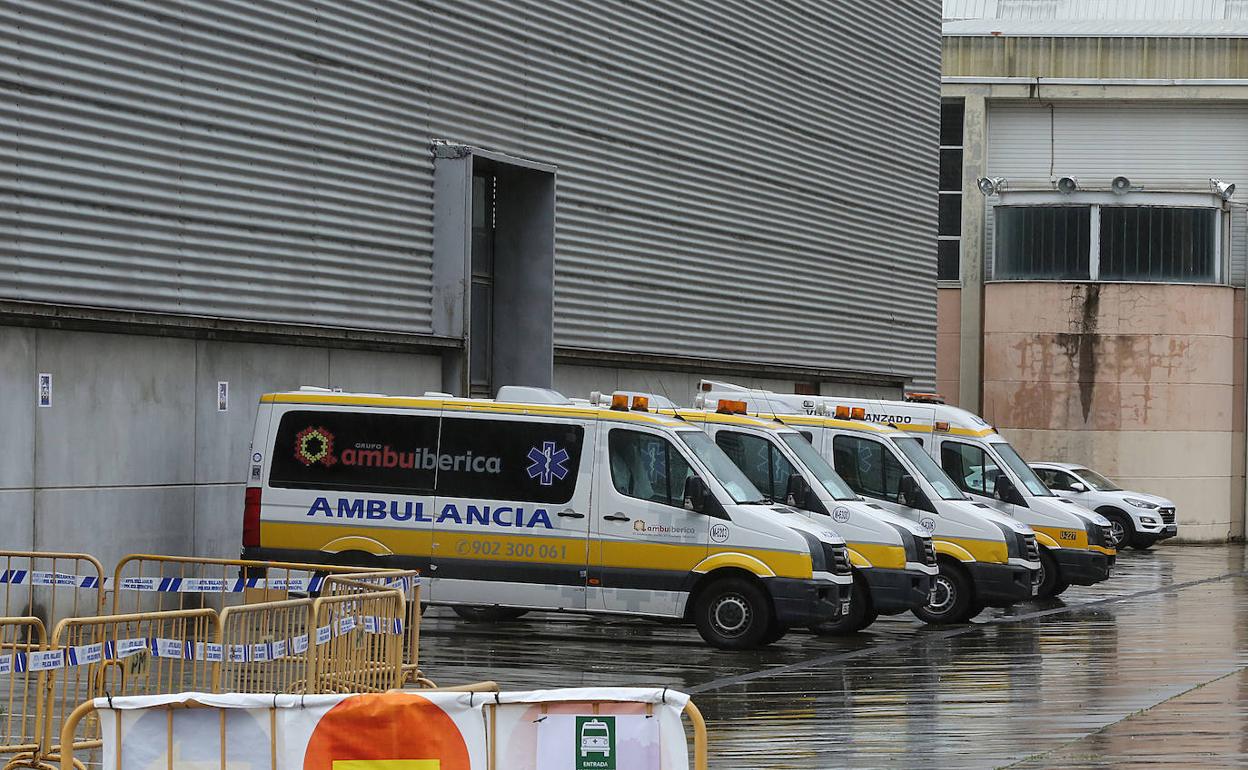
x=598, y=742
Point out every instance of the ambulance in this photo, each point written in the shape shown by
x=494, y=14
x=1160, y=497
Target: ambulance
x=531, y=502
x=987, y=559
x=1075, y=542
x=893, y=558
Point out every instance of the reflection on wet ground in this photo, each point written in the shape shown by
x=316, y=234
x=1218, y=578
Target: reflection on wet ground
x=1145, y=670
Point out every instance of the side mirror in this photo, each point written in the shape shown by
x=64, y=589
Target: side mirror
x=908, y=492
x=1005, y=490
x=696, y=494
x=1078, y=486
x=797, y=494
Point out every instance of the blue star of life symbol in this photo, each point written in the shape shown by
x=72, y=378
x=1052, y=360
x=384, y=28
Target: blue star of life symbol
x=548, y=463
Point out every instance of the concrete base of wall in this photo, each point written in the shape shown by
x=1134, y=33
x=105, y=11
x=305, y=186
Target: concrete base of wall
x=133, y=454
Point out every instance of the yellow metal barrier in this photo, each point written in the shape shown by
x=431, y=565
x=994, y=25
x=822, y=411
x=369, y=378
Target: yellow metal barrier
x=147, y=582
x=136, y=654
x=264, y=647
x=359, y=638
x=409, y=582
x=21, y=690
x=86, y=712
x=50, y=585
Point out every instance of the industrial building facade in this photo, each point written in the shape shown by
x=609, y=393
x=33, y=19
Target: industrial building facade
x=1092, y=303
x=204, y=201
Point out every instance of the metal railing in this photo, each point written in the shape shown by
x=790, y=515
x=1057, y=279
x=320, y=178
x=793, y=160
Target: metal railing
x=21, y=689
x=50, y=585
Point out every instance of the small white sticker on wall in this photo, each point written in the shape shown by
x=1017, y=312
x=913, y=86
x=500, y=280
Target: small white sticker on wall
x=45, y=389
x=223, y=396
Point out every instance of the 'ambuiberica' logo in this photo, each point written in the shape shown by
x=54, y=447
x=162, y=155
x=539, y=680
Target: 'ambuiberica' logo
x=315, y=446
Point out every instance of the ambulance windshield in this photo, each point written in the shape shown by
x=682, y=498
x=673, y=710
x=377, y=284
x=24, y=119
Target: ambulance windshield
x=940, y=481
x=814, y=461
x=739, y=486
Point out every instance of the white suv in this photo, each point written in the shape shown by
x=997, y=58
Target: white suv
x=1137, y=519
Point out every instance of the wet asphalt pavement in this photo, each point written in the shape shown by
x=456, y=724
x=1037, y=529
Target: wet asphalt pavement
x=1146, y=670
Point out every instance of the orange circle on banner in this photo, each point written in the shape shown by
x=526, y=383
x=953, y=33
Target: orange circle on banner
x=396, y=731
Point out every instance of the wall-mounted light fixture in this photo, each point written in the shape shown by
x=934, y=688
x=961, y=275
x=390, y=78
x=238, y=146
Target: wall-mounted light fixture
x=1067, y=185
x=1222, y=189
x=990, y=185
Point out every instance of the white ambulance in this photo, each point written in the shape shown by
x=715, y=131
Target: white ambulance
x=987, y=559
x=530, y=502
x=1075, y=541
x=893, y=558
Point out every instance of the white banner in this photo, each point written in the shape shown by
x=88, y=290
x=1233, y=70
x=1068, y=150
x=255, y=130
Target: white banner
x=579, y=729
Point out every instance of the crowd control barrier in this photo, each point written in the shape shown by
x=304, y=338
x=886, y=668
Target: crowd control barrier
x=193, y=625
x=158, y=582
x=49, y=585
x=452, y=729
x=21, y=688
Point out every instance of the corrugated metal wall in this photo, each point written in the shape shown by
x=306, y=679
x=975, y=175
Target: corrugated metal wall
x=742, y=181
x=1161, y=146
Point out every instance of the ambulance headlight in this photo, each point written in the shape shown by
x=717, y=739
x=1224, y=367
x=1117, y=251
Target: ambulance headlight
x=1013, y=549
x=815, y=545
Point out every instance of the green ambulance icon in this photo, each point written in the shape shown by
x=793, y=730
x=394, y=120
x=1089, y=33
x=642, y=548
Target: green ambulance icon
x=595, y=743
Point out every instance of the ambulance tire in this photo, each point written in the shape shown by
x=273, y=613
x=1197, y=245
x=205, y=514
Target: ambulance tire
x=956, y=593
x=1049, y=578
x=734, y=613
x=1060, y=588
x=977, y=607
x=861, y=614
x=775, y=633
x=488, y=614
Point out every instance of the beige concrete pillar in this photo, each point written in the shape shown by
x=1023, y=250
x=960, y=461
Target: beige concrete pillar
x=971, y=334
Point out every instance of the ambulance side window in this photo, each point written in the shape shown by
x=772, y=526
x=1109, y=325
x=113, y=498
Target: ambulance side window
x=969, y=467
x=647, y=467
x=759, y=461
x=514, y=460
x=355, y=452
x=868, y=468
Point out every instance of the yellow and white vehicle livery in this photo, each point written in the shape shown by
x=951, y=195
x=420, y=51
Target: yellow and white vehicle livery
x=530, y=502
x=894, y=559
x=1075, y=542
x=988, y=559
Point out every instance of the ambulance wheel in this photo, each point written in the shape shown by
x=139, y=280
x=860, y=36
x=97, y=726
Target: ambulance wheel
x=1048, y=581
x=734, y=614
x=775, y=633
x=1060, y=588
x=977, y=607
x=861, y=614
x=488, y=614
x=951, y=599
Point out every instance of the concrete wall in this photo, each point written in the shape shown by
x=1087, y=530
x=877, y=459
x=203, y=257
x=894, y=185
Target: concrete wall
x=948, y=345
x=133, y=455
x=1143, y=382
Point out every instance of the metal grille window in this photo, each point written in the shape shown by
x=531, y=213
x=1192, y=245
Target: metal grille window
x=1107, y=243
x=950, y=212
x=1151, y=243
x=1045, y=242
